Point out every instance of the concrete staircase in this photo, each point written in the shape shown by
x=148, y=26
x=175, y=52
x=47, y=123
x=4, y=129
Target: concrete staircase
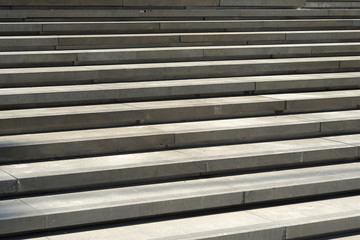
x=159, y=119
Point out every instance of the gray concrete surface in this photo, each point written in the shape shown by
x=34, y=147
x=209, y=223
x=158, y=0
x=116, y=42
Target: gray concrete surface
x=272, y=223
x=67, y=174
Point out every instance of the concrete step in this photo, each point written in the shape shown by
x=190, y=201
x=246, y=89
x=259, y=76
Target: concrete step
x=346, y=236
x=172, y=14
x=19, y=179
x=121, y=114
x=293, y=220
x=52, y=42
x=161, y=14
x=172, y=70
x=154, y=3
x=43, y=28
x=72, y=209
x=28, y=147
x=12, y=98
x=161, y=54
x=333, y=4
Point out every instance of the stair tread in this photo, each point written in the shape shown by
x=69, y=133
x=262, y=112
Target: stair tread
x=183, y=83
x=272, y=222
x=48, y=209
x=53, y=174
x=175, y=25
x=126, y=3
x=43, y=70
x=185, y=127
x=214, y=34
x=242, y=123
x=97, y=56
x=77, y=89
x=172, y=70
x=103, y=40
x=160, y=136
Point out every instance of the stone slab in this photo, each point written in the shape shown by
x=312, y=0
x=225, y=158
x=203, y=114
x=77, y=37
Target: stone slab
x=138, y=55
x=301, y=23
x=64, y=3
x=150, y=200
x=191, y=87
x=171, y=39
x=8, y=183
x=111, y=140
x=336, y=122
x=37, y=58
x=20, y=27
x=50, y=145
x=324, y=35
x=119, y=40
x=349, y=236
x=238, y=130
x=59, y=95
x=124, y=168
x=319, y=101
x=318, y=81
x=259, y=3
x=144, y=26
x=26, y=42
x=111, y=56
x=264, y=223
x=10, y=221
x=169, y=3
x=353, y=139
x=172, y=70
x=109, y=26
x=90, y=116
x=47, y=119
x=344, y=12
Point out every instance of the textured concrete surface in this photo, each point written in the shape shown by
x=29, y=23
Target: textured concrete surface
x=161, y=136
x=171, y=70
x=172, y=39
x=172, y=164
x=112, y=56
x=79, y=117
x=115, y=111
x=272, y=223
x=189, y=25
x=123, y=203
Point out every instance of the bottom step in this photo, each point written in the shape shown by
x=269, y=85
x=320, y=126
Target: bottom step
x=292, y=221
x=45, y=212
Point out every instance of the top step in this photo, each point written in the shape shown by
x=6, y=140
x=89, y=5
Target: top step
x=154, y=3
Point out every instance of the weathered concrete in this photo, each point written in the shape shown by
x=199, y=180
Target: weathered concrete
x=120, y=169
x=172, y=39
x=245, y=102
x=125, y=139
x=112, y=56
x=171, y=70
x=86, y=207
x=313, y=218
